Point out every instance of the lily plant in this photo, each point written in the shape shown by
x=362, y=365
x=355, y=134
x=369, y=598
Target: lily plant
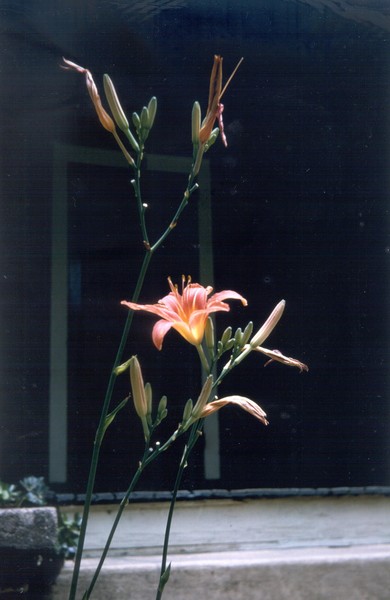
x=188, y=311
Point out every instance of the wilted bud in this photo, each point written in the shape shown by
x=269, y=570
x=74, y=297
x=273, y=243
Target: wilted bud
x=195, y=123
x=268, y=326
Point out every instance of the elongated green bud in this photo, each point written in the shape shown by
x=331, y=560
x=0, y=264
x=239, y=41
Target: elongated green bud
x=152, y=109
x=238, y=336
x=148, y=396
x=209, y=335
x=212, y=139
x=187, y=410
x=115, y=105
x=247, y=333
x=229, y=344
x=145, y=118
x=162, y=408
x=196, y=122
x=136, y=121
x=137, y=388
x=227, y=334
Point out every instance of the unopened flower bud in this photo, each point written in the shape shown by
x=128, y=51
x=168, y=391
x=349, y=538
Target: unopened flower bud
x=247, y=333
x=212, y=139
x=144, y=118
x=136, y=121
x=203, y=398
x=148, y=396
x=238, y=336
x=195, y=122
x=162, y=409
x=115, y=105
x=227, y=334
x=209, y=335
x=187, y=410
x=152, y=109
x=268, y=326
x=138, y=388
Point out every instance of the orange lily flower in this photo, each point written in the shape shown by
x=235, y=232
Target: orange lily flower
x=186, y=312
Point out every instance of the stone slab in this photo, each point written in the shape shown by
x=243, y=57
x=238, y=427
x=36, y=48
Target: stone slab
x=343, y=573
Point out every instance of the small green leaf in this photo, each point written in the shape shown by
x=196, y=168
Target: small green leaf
x=111, y=416
x=164, y=578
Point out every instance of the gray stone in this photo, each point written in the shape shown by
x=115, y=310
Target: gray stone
x=29, y=556
x=358, y=573
x=28, y=528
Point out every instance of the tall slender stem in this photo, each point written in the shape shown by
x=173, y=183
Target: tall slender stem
x=101, y=426
x=193, y=437
x=191, y=187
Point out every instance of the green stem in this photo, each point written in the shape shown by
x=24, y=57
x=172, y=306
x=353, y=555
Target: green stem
x=193, y=437
x=191, y=187
x=100, y=430
x=146, y=460
x=122, y=506
x=137, y=189
x=203, y=359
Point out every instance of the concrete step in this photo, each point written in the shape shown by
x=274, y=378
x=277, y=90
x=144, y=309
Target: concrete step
x=311, y=573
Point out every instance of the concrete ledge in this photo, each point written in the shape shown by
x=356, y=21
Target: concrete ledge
x=343, y=573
